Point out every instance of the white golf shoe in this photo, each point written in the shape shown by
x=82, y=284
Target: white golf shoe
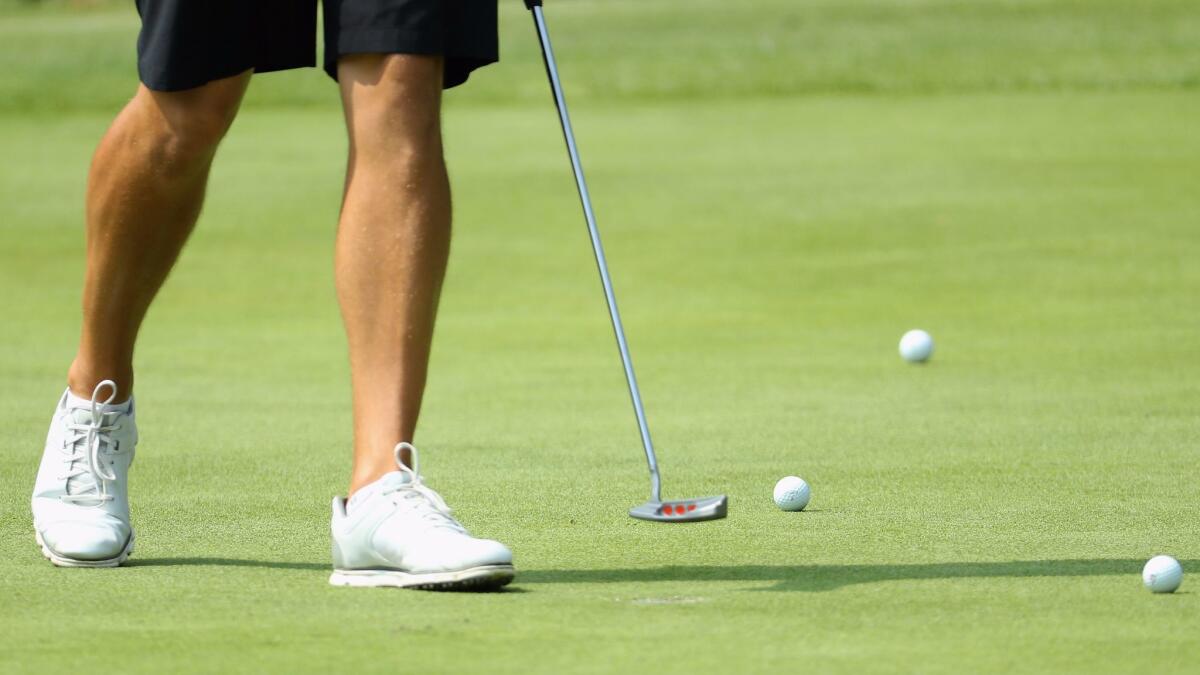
x=398, y=532
x=80, y=499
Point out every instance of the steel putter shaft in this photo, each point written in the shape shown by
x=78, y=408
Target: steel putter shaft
x=678, y=511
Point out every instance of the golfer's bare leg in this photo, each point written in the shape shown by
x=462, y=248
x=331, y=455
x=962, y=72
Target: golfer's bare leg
x=144, y=194
x=392, y=246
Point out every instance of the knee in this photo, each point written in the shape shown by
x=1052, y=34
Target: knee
x=197, y=134
x=193, y=135
x=393, y=107
x=189, y=125
x=388, y=135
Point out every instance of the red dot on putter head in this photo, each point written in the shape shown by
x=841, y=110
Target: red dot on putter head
x=667, y=509
x=691, y=507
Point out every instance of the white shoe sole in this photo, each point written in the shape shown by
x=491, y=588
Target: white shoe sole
x=61, y=561
x=482, y=578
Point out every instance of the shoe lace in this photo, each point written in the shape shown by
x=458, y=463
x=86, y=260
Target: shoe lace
x=418, y=497
x=86, y=476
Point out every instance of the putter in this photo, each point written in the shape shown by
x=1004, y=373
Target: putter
x=675, y=510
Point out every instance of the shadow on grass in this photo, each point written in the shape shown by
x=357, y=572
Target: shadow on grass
x=224, y=562
x=814, y=578
x=811, y=578
x=265, y=564
x=272, y=564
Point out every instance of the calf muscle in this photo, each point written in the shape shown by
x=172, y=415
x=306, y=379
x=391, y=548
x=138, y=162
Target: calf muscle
x=393, y=245
x=145, y=190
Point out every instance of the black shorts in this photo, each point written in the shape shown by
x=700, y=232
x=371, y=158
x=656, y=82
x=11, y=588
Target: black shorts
x=186, y=43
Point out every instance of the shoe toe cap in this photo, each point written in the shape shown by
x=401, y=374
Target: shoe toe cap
x=91, y=541
x=489, y=552
x=457, y=553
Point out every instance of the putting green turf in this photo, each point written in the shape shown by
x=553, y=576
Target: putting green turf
x=988, y=512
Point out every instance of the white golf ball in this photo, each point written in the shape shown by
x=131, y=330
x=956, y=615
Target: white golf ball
x=916, y=346
x=792, y=493
x=1162, y=574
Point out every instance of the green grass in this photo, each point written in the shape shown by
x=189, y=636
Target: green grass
x=633, y=50
x=1016, y=177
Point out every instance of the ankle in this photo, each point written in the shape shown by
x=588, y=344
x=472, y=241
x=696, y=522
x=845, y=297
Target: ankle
x=371, y=465
x=364, y=478
x=82, y=381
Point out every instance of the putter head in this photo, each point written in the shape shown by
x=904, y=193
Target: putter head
x=682, y=510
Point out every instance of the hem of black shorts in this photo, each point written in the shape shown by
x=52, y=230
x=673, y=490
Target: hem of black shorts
x=171, y=84
x=461, y=67
x=391, y=41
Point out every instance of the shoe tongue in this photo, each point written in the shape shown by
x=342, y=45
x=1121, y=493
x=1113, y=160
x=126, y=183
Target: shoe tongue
x=385, y=483
x=81, y=405
x=108, y=415
x=391, y=481
x=398, y=477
